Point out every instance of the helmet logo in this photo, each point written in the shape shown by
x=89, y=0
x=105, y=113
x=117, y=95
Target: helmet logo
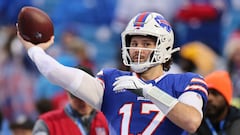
x=140, y=20
x=163, y=23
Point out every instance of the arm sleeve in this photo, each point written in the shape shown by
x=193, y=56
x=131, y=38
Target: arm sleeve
x=40, y=128
x=193, y=99
x=74, y=80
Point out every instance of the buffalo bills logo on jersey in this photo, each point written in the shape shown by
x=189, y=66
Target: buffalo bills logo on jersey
x=163, y=23
x=140, y=20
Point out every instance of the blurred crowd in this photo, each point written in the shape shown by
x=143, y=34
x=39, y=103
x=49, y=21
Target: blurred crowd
x=87, y=32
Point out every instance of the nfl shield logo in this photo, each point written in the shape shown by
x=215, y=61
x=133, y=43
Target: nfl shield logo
x=100, y=131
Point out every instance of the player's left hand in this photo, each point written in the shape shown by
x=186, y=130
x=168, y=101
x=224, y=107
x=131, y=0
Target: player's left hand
x=131, y=83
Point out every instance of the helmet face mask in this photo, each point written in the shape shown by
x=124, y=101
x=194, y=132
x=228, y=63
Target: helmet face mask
x=148, y=24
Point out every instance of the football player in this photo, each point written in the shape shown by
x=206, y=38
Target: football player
x=144, y=101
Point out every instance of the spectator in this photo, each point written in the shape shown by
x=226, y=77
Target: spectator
x=232, y=53
x=78, y=48
x=22, y=126
x=221, y=118
x=44, y=105
x=200, y=20
x=199, y=58
x=16, y=81
x=75, y=119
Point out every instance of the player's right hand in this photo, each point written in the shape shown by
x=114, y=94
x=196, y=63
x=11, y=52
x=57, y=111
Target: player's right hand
x=28, y=45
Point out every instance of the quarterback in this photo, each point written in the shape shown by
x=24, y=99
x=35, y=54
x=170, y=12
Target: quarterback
x=144, y=101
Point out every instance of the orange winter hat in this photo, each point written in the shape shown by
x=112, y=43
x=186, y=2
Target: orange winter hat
x=220, y=80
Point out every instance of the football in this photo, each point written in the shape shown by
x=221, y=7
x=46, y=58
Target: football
x=34, y=25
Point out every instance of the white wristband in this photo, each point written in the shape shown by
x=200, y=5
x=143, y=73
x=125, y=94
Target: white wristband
x=161, y=99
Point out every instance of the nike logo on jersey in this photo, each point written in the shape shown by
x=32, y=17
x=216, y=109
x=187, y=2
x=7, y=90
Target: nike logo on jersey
x=120, y=91
x=142, y=98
